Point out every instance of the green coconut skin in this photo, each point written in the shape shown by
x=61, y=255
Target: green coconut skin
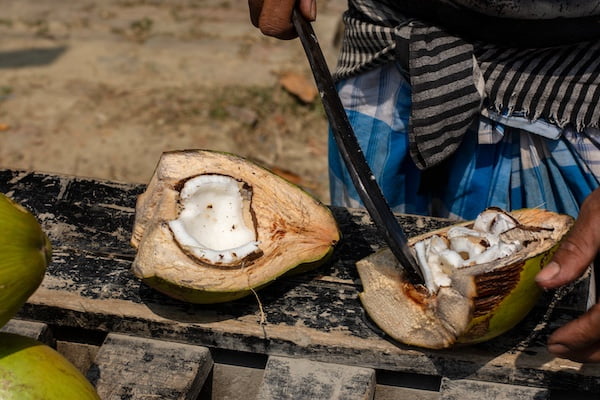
x=514, y=307
x=24, y=254
x=30, y=370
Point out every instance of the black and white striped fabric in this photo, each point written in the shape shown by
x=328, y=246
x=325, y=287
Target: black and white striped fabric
x=444, y=97
x=452, y=78
x=367, y=44
x=561, y=85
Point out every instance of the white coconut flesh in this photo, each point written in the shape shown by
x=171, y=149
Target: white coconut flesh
x=215, y=223
x=439, y=257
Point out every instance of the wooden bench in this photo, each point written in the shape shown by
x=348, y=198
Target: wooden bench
x=310, y=326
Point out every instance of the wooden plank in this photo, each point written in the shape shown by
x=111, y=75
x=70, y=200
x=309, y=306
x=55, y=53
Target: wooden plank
x=136, y=368
x=383, y=392
x=35, y=330
x=289, y=378
x=466, y=389
x=315, y=315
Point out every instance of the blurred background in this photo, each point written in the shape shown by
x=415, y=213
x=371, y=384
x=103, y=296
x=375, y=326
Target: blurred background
x=101, y=89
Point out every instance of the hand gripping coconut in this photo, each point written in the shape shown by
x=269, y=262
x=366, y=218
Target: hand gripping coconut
x=212, y=227
x=479, y=278
x=28, y=368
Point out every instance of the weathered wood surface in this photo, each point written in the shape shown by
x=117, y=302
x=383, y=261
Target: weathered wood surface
x=135, y=368
x=466, y=389
x=290, y=378
x=315, y=316
x=35, y=330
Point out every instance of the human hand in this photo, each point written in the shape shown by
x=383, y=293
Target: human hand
x=274, y=17
x=578, y=340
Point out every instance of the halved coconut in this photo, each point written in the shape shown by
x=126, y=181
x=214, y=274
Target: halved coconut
x=479, y=278
x=211, y=227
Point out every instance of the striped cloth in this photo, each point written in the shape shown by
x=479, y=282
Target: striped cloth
x=445, y=100
x=452, y=77
x=559, y=85
x=504, y=161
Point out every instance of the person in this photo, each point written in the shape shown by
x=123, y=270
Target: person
x=578, y=340
x=460, y=105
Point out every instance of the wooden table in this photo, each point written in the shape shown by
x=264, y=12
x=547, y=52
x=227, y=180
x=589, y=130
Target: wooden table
x=315, y=318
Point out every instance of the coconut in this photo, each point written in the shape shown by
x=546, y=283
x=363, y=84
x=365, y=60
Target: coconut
x=28, y=368
x=24, y=255
x=32, y=370
x=479, y=278
x=212, y=227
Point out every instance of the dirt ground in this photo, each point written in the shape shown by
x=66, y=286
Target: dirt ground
x=101, y=89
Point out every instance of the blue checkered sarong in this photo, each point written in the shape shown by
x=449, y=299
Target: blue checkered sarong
x=504, y=161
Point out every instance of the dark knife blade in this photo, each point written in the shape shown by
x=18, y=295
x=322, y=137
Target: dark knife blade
x=354, y=159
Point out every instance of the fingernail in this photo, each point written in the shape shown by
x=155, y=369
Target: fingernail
x=313, y=10
x=548, y=272
x=558, y=349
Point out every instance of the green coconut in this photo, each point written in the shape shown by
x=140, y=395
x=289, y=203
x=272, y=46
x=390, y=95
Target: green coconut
x=479, y=279
x=24, y=255
x=212, y=227
x=30, y=370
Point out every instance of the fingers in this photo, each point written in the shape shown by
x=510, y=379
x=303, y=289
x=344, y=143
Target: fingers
x=308, y=9
x=274, y=17
x=579, y=340
x=255, y=6
x=577, y=250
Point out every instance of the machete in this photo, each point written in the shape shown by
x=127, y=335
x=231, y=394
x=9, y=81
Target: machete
x=354, y=159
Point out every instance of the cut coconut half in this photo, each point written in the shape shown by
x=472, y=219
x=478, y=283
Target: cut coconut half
x=212, y=227
x=479, y=278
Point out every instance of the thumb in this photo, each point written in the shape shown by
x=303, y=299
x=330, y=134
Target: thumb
x=577, y=251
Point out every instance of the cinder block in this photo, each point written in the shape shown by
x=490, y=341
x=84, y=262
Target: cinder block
x=289, y=378
x=466, y=389
x=137, y=368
